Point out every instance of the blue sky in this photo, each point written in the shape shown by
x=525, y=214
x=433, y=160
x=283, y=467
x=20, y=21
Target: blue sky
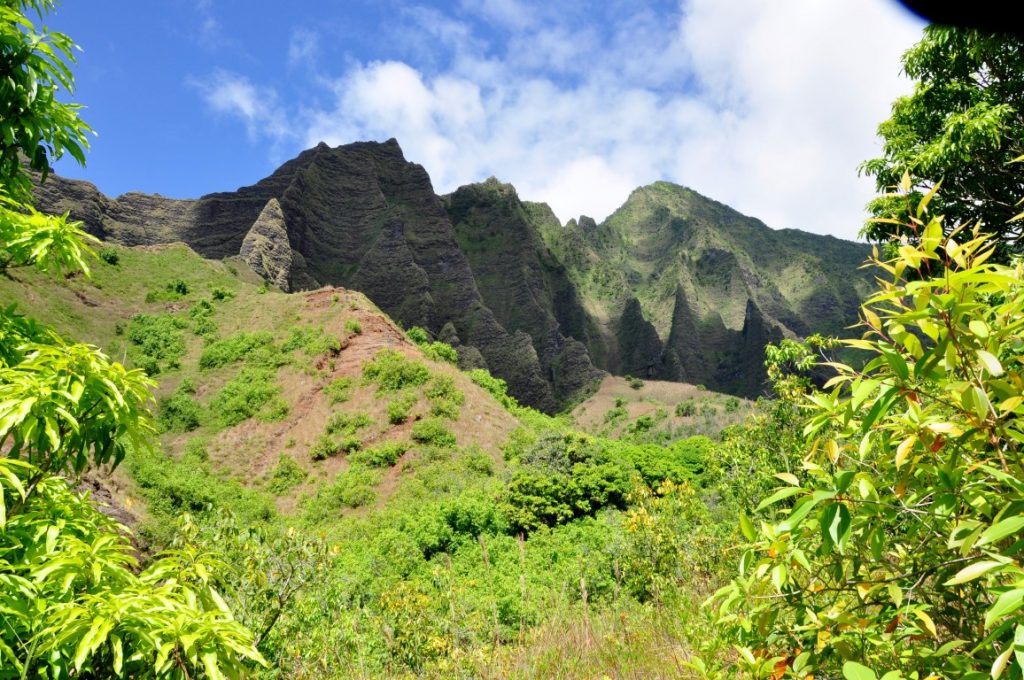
x=767, y=106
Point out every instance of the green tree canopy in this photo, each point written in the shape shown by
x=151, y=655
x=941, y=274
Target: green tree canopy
x=964, y=126
x=73, y=602
x=34, y=125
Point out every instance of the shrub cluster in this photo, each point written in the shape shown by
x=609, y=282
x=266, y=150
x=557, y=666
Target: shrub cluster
x=392, y=371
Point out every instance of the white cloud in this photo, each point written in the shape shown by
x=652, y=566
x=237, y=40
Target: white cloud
x=766, y=106
x=230, y=93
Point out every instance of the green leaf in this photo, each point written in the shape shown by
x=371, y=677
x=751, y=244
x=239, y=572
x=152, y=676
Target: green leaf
x=780, y=494
x=973, y=571
x=747, y=527
x=835, y=524
x=990, y=363
x=1001, y=529
x=856, y=671
x=1007, y=603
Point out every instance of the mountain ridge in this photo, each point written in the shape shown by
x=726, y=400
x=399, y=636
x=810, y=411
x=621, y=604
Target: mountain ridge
x=672, y=285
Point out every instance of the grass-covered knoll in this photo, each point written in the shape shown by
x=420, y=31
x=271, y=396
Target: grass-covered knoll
x=658, y=412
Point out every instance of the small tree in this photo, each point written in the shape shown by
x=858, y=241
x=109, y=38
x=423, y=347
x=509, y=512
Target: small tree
x=893, y=549
x=963, y=125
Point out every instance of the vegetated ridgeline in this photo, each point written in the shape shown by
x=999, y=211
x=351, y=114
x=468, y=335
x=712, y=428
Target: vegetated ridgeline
x=671, y=286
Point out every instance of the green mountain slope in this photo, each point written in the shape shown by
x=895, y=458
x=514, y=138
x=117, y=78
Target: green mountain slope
x=685, y=288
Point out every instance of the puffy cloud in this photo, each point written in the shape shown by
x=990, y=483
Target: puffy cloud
x=766, y=106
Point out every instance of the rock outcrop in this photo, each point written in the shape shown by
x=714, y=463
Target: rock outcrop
x=267, y=251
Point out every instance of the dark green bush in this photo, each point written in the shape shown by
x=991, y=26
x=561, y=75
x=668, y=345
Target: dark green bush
x=536, y=498
x=178, y=286
x=433, y=432
x=732, y=404
x=245, y=396
x=179, y=412
x=235, y=348
x=641, y=424
x=685, y=409
x=286, y=475
x=109, y=255
x=324, y=447
x=400, y=406
x=221, y=294
x=635, y=383
x=337, y=391
x=392, y=371
x=381, y=455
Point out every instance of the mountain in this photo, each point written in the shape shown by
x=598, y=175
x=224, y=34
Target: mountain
x=671, y=286
x=685, y=288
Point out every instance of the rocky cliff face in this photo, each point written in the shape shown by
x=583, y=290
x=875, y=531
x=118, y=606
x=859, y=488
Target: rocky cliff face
x=685, y=288
x=671, y=286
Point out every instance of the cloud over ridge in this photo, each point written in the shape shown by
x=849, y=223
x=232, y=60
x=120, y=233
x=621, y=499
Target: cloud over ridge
x=766, y=106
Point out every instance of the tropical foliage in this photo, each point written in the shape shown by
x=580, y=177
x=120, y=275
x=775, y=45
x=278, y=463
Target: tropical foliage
x=891, y=549
x=963, y=126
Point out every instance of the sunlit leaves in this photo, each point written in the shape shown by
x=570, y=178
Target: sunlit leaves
x=898, y=546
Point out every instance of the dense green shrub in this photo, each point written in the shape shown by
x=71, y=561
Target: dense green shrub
x=346, y=423
x=418, y=335
x=246, y=395
x=497, y=387
x=179, y=412
x=353, y=327
x=235, y=348
x=433, y=432
x=641, y=424
x=445, y=398
x=158, y=340
x=392, y=371
x=616, y=415
x=312, y=341
x=732, y=404
x=286, y=475
x=324, y=447
x=684, y=460
x=440, y=351
x=385, y=454
x=400, y=406
x=635, y=383
x=221, y=294
x=178, y=286
x=685, y=409
x=478, y=461
x=353, y=488
x=109, y=255
x=536, y=497
x=337, y=391
x=201, y=314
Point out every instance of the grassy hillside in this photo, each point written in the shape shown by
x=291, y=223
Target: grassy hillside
x=385, y=514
